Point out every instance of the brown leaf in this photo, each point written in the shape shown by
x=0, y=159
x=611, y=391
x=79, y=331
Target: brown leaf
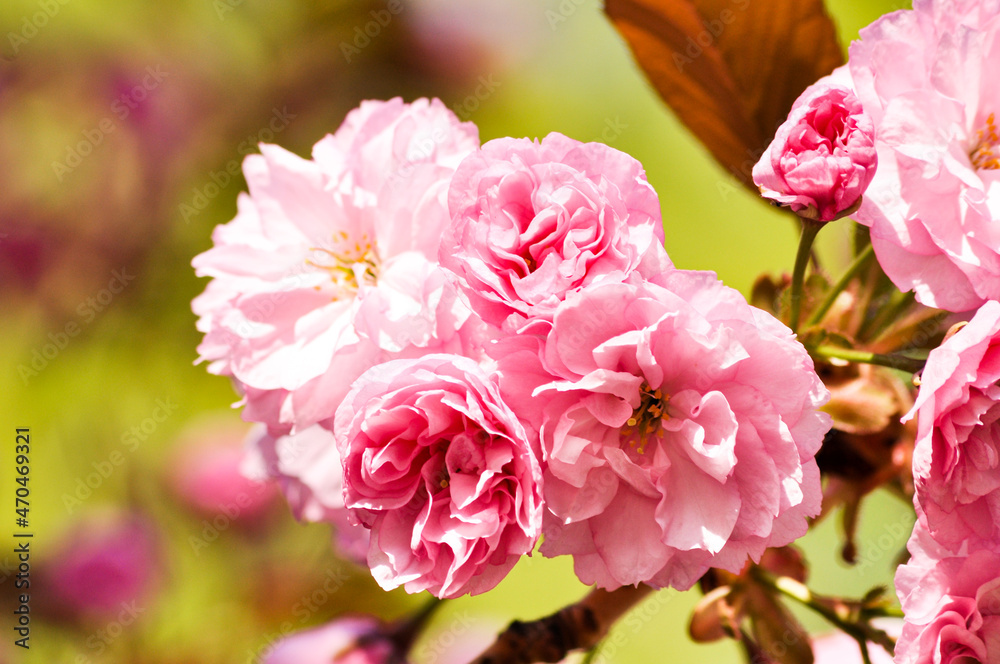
x=730, y=69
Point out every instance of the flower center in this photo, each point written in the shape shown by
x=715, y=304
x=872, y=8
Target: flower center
x=647, y=420
x=349, y=265
x=986, y=154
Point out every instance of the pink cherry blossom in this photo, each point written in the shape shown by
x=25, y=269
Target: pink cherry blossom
x=346, y=640
x=956, y=461
x=532, y=222
x=951, y=603
x=330, y=264
x=822, y=157
x=927, y=79
x=678, y=425
x=442, y=472
x=308, y=469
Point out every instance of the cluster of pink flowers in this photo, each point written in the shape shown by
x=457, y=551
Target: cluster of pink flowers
x=950, y=588
x=923, y=77
x=454, y=349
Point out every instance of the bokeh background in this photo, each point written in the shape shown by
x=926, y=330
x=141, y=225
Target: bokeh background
x=122, y=124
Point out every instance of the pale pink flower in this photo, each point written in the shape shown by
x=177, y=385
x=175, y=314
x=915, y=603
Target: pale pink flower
x=307, y=467
x=951, y=603
x=956, y=461
x=441, y=471
x=927, y=77
x=330, y=264
x=822, y=157
x=533, y=222
x=678, y=424
x=345, y=640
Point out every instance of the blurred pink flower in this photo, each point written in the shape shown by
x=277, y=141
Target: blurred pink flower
x=533, y=222
x=952, y=605
x=927, y=79
x=104, y=564
x=347, y=640
x=308, y=470
x=822, y=157
x=956, y=461
x=206, y=475
x=441, y=471
x=467, y=39
x=330, y=264
x=678, y=425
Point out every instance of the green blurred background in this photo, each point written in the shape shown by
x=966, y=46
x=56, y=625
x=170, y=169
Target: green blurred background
x=118, y=119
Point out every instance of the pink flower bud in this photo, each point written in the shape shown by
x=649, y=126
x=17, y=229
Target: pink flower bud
x=823, y=157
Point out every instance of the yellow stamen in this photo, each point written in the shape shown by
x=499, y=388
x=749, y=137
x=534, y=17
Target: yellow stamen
x=986, y=154
x=343, y=264
x=647, y=420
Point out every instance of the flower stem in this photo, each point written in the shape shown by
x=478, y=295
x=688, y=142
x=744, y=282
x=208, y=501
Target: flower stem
x=591, y=655
x=406, y=630
x=838, y=288
x=893, y=361
x=809, y=230
x=849, y=620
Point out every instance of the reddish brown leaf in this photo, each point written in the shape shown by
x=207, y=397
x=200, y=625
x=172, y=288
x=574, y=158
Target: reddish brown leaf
x=730, y=69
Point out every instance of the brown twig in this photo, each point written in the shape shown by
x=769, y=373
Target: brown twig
x=578, y=626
